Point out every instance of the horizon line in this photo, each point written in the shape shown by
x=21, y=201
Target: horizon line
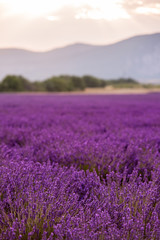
x=76, y=43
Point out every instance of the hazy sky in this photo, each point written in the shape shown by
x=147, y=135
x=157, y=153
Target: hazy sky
x=46, y=24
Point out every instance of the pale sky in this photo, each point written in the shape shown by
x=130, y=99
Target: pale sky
x=41, y=25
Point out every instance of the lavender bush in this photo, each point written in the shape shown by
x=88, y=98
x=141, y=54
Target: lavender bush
x=79, y=167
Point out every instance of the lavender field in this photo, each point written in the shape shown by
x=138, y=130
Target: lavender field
x=79, y=167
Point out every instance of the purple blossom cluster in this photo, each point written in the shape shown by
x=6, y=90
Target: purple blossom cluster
x=79, y=167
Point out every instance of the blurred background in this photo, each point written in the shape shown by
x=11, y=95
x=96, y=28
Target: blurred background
x=69, y=45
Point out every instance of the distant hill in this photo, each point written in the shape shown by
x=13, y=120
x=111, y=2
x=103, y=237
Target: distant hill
x=137, y=57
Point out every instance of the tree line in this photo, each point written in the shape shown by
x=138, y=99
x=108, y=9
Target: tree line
x=63, y=83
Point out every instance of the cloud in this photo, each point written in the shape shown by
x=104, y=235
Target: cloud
x=86, y=9
x=41, y=34
x=110, y=13
x=144, y=7
x=83, y=9
x=61, y=27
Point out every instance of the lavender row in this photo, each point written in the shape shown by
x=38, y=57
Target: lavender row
x=79, y=167
x=50, y=202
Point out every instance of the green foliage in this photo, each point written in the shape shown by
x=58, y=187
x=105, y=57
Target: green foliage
x=38, y=86
x=124, y=83
x=92, y=82
x=12, y=83
x=78, y=83
x=66, y=83
x=58, y=84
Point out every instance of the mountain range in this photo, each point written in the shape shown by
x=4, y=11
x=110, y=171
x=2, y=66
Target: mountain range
x=137, y=57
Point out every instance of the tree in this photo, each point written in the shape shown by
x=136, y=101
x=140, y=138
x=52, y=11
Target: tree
x=12, y=83
x=78, y=83
x=91, y=81
x=58, y=84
